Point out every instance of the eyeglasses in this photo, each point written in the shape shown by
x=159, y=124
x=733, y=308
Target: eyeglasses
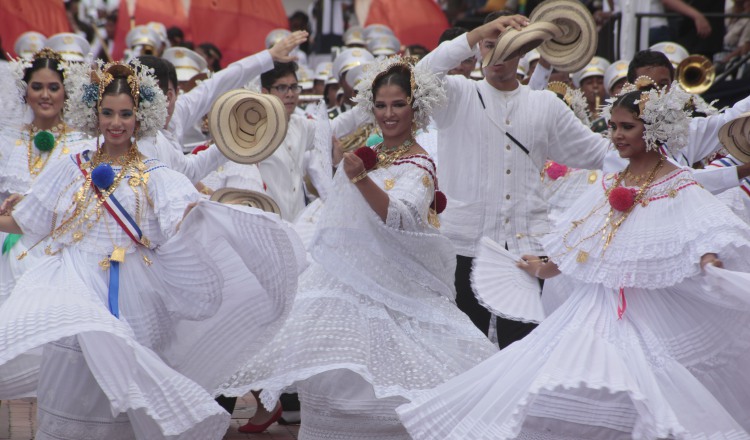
x=283, y=88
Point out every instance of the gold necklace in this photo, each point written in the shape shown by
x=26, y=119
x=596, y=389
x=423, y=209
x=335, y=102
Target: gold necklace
x=613, y=221
x=386, y=156
x=36, y=164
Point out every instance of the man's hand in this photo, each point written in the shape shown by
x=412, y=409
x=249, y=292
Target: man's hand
x=280, y=51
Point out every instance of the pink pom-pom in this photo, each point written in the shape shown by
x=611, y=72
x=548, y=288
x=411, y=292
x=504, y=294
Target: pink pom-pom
x=368, y=156
x=622, y=198
x=556, y=170
x=439, y=202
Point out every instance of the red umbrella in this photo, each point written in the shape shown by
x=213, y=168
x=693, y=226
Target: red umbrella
x=422, y=25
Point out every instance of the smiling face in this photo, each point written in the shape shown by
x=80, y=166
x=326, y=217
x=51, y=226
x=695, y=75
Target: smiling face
x=117, y=120
x=45, y=95
x=393, y=112
x=626, y=132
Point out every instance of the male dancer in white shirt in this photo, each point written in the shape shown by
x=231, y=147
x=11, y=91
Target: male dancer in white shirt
x=493, y=140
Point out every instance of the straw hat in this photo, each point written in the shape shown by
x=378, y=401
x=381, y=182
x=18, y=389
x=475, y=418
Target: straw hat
x=563, y=31
x=735, y=136
x=245, y=197
x=247, y=126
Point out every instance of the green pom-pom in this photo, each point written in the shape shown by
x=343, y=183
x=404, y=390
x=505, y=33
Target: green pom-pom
x=10, y=241
x=374, y=139
x=44, y=141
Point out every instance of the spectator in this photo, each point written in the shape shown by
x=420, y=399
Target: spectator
x=212, y=54
x=737, y=38
x=175, y=36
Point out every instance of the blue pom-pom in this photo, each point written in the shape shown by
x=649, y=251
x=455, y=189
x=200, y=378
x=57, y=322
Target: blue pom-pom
x=103, y=176
x=373, y=140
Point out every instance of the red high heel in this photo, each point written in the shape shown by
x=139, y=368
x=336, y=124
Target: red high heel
x=250, y=428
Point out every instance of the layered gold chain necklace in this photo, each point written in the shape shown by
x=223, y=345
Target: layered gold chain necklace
x=388, y=155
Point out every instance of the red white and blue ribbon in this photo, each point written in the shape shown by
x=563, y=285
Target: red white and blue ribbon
x=126, y=222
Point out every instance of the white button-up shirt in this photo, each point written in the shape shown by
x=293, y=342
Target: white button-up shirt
x=283, y=171
x=493, y=186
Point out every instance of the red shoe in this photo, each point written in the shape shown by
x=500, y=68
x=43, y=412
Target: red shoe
x=250, y=428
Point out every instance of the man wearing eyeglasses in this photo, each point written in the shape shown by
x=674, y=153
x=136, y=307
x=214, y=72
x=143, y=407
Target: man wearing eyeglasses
x=284, y=171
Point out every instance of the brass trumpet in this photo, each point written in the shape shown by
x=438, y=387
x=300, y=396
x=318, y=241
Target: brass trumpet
x=696, y=74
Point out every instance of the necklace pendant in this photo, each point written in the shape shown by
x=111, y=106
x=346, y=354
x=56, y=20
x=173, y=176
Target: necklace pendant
x=65, y=150
x=389, y=184
x=22, y=255
x=147, y=261
x=118, y=254
x=582, y=257
x=104, y=264
x=592, y=177
x=77, y=236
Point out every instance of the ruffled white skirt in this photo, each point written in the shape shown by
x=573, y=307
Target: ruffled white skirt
x=354, y=359
x=675, y=366
x=187, y=323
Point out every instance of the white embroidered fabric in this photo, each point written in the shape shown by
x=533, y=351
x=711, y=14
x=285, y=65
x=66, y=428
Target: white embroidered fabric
x=639, y=256
x=678, y=352
x=229, y=272
x=377, y=301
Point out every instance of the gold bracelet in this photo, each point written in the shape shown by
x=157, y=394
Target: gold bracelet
x=359, y=177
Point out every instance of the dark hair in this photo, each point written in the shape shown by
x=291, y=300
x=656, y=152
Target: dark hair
x=648, y=58
x=452, y=33
x=43, y=63
x=398, y=75
x=279, y=70
x=417, y=50
x=212, y=51
x=164, y=71
x=495, y=15
x=175, y=32
x=187, y=45
x=629, y=101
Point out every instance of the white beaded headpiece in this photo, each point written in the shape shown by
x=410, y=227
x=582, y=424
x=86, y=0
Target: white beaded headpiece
x=427, y=91
x=85, y=86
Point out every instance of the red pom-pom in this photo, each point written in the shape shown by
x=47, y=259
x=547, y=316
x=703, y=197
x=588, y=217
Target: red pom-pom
x=368, y=156
x=556, y=170
x=622, y=198
x=439, y=202
x=199, y=148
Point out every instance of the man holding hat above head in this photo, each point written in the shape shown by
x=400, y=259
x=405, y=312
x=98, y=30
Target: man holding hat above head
x=28, y=43
x=590, y=80
x=72, y=47
x=615, y=77
x=187, y=110
x=494, y=138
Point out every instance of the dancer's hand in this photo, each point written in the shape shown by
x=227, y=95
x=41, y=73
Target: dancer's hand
x=7, y=207
x=493, y=29
x=711, y=259
x=538, y=267
x=353, y=165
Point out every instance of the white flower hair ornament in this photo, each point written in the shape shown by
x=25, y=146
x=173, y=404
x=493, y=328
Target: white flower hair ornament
x=13, y=85
x=85, y=86
x=427, y=92
x=665, y=114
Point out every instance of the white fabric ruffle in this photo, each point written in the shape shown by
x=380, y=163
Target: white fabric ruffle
x=640, y=256
x=228, y=274
x=377, y=301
